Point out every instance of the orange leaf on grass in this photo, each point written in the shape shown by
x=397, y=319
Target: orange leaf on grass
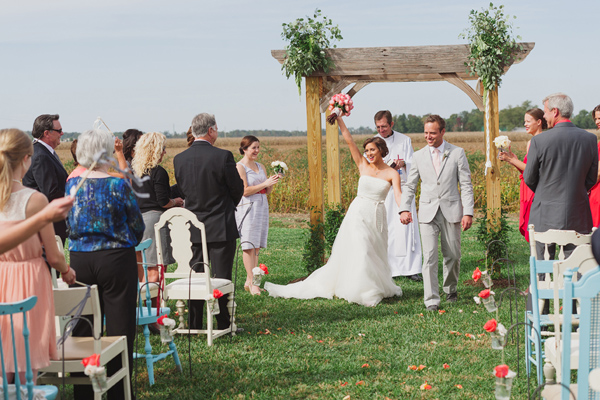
x=413, y=367
x=441, y=311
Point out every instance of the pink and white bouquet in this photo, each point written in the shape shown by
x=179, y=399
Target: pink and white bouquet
x=340, y=104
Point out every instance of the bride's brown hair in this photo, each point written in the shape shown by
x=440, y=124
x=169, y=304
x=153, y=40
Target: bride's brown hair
x=14, y=146
x=380, y=143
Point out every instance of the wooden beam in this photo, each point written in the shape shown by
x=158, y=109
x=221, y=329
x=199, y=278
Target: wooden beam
x=356, y=88
x=315, y=169
x=334, y=188
x=492, y=177
x=380, y=62
x=464, y=86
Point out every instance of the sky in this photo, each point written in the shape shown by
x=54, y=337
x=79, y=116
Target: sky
x=153, y=65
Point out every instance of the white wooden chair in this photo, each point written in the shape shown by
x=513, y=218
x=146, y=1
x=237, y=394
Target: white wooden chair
x=543, y=290
x=78, y=348
x=191, y=285
x=581, y=262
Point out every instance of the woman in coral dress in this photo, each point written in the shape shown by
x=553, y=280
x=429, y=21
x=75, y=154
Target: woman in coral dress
x=534, y=125
x=595, y=191
x=23, y=271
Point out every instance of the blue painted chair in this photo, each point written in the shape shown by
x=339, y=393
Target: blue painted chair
x=149, y=315
x=544, y=290
x=7, y=310
x=583, y=347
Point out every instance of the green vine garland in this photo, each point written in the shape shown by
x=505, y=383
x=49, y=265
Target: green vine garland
x=308, y=39
x=492, y=46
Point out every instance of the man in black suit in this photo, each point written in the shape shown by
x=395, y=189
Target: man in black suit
x=562, y=165
x=212, y=188
x=47, y=174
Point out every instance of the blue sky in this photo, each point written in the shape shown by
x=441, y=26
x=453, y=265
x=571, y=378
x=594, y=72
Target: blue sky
x=153, y=65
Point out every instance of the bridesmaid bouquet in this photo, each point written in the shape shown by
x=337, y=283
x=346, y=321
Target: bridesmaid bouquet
x=502, y=143
x=339, y=105
x=280, y=167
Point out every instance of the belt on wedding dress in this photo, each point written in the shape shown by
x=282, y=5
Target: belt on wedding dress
x=379, y=212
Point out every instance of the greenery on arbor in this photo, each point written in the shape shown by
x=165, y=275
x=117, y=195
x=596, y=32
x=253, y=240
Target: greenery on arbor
x=308, y=41
x=492, y=46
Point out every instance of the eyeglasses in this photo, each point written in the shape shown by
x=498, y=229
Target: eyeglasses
x=56, y=130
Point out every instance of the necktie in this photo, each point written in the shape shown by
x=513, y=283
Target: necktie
x=436, y=161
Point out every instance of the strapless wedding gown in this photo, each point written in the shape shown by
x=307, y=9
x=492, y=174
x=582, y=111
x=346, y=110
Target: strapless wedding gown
x=358, y=268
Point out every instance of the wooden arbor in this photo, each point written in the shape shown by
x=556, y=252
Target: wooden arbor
x=361, y=66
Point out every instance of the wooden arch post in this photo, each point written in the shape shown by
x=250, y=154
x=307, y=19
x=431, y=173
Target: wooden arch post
x=492, y=171
x=313, y=132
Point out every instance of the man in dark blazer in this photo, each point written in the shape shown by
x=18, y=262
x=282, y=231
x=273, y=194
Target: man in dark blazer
x=47, y=174
x=208, y=179
x=562, y=165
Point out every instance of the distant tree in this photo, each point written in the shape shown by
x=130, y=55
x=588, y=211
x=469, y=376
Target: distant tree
x=584, y=120
x=512, y=117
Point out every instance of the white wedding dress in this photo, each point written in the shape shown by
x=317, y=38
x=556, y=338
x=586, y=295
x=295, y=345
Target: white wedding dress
x=358, y=268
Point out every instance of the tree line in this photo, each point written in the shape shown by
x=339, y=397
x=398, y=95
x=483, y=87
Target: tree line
x=465, y=121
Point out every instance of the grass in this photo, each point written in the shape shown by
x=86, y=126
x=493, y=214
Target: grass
x=309, y=349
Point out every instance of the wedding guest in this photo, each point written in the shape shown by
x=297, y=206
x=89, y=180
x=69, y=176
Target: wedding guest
x=130, y=138
x=118, y=154
x=252, y=213
x=209, y=182
x=23, y=271
x=47, y=174
x=404, y=245
x=534, y=125
x=149, y=152
x=562, y=165
x=595, y=192
x=105, y=225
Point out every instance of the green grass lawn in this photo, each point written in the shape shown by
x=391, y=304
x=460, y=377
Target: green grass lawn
x=331, y=349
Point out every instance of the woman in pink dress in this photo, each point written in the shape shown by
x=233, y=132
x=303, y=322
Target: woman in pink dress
x=595, y=192
x=23, y=271
x=534, y=125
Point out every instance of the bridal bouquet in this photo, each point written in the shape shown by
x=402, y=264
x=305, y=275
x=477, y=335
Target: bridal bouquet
x=280, y=167
x=339, y=105
x=502, y=143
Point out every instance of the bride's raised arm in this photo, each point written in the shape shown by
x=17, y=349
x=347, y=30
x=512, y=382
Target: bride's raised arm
x=357, y=155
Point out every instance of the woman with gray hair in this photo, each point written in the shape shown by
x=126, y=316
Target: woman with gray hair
x=105, y=225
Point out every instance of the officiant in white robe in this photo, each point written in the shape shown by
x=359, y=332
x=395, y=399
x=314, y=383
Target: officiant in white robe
x=404, y=243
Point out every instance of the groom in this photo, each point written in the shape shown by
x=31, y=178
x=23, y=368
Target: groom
x=443, y=210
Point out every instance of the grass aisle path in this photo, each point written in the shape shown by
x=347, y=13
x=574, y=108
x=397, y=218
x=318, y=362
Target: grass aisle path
x=328, y=349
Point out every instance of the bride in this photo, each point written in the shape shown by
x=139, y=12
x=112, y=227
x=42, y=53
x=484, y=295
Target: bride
x=358, y=268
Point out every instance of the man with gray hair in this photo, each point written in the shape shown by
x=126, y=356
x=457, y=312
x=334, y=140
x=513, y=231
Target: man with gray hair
x=211, y=186
x=562, y=166
x=47, y=174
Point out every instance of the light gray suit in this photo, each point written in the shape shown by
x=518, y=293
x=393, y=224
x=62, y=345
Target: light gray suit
x=441, y=208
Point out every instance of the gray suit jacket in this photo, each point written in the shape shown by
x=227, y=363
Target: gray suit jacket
x=440, y=192
x=562, y=165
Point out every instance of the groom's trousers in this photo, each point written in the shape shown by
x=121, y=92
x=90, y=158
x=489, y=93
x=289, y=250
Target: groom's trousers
x=449, y=234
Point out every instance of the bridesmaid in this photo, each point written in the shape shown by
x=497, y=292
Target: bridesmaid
x=534, y=125
x=595, y=192
x=252, y=214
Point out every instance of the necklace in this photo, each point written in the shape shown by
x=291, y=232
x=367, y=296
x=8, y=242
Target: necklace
x=18, y=181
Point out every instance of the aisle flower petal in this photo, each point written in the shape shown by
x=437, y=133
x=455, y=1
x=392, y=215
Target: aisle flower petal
x=459, y=386
x=425, y=386
x=446, y=366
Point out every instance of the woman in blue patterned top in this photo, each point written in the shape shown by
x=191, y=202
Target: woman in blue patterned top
x=105, y=225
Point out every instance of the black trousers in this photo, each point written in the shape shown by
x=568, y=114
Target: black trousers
x=221, y=255
x=115, y=273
